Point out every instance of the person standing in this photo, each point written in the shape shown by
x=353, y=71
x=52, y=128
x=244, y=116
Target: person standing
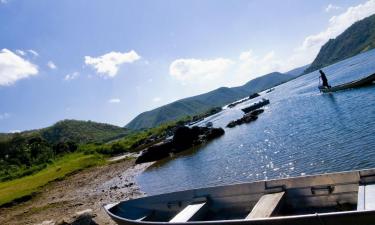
x=324, y=79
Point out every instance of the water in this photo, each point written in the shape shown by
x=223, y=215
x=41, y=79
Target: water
x=301, y=132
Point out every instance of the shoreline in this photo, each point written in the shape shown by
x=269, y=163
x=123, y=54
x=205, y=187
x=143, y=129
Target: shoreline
x=83, y=192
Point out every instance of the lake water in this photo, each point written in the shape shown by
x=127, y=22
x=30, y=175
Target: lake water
x=301, y=132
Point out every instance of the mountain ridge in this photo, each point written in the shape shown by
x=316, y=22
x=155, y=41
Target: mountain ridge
x=79, y=131
x=200, y=103
x=358, y=38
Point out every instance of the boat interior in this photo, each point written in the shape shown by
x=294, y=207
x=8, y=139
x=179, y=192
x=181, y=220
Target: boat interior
x=336, y=194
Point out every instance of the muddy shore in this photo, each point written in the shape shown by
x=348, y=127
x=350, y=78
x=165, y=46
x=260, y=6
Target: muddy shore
x=85, y=191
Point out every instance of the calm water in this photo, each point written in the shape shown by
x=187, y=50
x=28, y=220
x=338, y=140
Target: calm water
x=300, y=132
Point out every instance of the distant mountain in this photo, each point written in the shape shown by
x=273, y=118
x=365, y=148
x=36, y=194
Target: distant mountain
x=298, y=71
x=201, y=103
x=75, y=130
x=359, y=37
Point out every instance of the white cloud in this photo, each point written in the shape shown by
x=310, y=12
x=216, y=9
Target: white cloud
x=33, y=52
x=14, y=131
x=51, y=65
x=156, y=99
x=308, y=50
x=251, y=66
x=4, y=116
x=13, y=68
x=224, y=72
x=20, y=52
x=331, y=7
x=114, y=100
x=71, y=76
x=200, y=70
x=337, y=24
x=108, y=64
x=227, y=72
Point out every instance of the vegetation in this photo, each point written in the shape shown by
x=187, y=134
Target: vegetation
x=28, y=160
x=26, y=186
x=359, y=37
x=23, y=155
x=204, y=102
x=26, y=153
x=82, y=132
x=134, y=141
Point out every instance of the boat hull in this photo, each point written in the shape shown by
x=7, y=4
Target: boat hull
x=354, y=217
x=354, y=84
x=319, y=194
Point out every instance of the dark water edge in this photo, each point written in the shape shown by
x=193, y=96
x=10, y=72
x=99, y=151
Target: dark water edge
x=301, y=132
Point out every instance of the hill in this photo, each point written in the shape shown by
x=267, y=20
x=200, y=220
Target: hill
x=359, y=37
x=298, y=71
x=201, y=103
x=82, y=132
x=77, y=131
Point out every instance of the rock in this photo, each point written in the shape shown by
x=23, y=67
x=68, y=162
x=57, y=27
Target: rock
x=86, y=211
x=129, y=185
x=183, y=139
x=84, y=217
x=247, y=118
x=257, y=112
x=253, y=95
x=47, y=222
x=155, y=152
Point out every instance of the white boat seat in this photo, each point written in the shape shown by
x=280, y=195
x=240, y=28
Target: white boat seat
x=188, y=212
x=366, y=197
x=266, y=206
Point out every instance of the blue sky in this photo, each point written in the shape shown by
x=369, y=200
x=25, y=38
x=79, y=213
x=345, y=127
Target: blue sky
x=108, y=61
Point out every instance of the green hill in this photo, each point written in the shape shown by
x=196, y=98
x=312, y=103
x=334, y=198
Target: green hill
x=359, y=37
x=78, y=131
x=82, y=132
x=201, y=103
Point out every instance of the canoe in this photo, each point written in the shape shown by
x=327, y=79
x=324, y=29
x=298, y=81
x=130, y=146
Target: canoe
x=256, y=105
x=344, y=198
x=353, y=84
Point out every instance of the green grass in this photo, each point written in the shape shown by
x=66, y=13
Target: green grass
x=26, y=186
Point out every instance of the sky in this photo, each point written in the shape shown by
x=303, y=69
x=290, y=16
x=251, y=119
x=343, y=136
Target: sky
x=108, y=61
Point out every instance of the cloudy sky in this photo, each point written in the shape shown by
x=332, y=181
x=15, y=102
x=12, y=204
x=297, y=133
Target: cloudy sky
x=110, y=60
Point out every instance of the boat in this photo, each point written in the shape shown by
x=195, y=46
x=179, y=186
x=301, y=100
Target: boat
x=256, y=105
x=353, y=84
x=344, y=198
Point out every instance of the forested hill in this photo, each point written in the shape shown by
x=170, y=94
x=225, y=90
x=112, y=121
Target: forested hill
x=358, y=38
x=77, y=131
x=201, y=103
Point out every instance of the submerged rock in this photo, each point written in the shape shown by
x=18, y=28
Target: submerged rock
x=247, y=118
x=183, y=139
x=254, y=95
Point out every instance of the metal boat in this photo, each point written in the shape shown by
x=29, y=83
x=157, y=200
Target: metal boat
x=353, y=84
x=344, y=198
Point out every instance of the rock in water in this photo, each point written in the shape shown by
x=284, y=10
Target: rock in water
x=183, y=139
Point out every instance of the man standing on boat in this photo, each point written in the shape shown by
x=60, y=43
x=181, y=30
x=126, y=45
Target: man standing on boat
x=324, y=79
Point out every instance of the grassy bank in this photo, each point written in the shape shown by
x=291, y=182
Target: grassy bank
x=29, y=163
x=26, y=186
